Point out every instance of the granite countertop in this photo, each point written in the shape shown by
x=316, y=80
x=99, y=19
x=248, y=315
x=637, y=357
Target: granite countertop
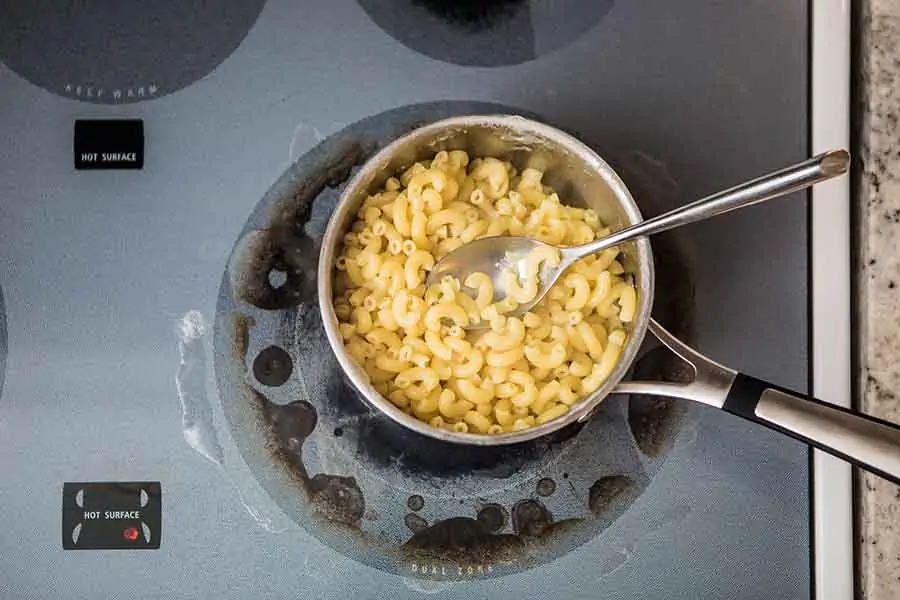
x=878, y=280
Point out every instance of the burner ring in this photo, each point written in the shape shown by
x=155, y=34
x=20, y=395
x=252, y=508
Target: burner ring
x=415, y=507
x=115, y=51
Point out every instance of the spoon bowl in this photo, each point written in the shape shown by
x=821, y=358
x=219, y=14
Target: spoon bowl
x=496, y=255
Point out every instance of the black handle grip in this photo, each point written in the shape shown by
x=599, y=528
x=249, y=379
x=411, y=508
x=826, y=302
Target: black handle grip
x=867, y=442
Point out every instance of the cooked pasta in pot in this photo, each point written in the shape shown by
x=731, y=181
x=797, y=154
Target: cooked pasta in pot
x=412, y=342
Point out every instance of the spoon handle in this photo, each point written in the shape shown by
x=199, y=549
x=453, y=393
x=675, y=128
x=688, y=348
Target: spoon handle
x=790, y=179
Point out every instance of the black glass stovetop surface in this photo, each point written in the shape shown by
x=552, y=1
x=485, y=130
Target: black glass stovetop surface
x=131, y=356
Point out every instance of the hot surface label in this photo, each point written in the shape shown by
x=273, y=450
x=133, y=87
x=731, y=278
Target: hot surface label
x=111, y=515
x=109, y=144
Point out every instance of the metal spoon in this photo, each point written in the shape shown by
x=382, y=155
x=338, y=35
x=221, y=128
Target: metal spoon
x=496, y=255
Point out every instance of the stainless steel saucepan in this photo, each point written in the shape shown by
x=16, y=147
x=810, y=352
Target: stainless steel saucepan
x=583, y=179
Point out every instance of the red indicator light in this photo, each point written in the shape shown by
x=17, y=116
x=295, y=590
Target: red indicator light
x=131, y=534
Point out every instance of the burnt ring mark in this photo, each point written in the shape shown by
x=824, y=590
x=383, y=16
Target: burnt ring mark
x=606, y=491
x=290, y=424
x=493, y=517
x=415, y=503
x=415, y=523
x=485, y=33
x=275, y=268
x=464, y=540
x=337, y=498
x=530, y=518
x=240, y=340
x=273, y=366
x=545, y=487
x=294, y=209
x=280, y=249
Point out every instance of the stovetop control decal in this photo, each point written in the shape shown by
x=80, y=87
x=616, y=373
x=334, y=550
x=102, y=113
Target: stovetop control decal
x=112, y=515
x=109, y=144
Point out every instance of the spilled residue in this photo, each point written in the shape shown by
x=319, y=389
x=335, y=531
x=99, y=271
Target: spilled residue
x=240, y=345
x=273, y=366
x=190, y=381
x=415, y=523
x=493, y=517
x=545, y=487
x=466, y=541
x=278, y=249
x=606, y=492
x=284, y=247
x=530, y=518
x=415, y=502
x=336, y=498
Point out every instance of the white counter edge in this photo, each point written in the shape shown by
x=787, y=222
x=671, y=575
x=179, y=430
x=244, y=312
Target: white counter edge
x=831, y=285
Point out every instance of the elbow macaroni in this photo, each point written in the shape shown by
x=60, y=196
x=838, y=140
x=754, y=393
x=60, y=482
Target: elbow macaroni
x=411, y=342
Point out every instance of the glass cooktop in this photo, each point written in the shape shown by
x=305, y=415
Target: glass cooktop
x=170, y=407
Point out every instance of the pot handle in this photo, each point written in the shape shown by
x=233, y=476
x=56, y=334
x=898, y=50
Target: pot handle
x=864, y=441
x=867, y=442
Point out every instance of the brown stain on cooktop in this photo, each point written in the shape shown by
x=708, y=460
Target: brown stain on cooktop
x=340, y=502
x=467, y=541
x=545, y=487
x=283, y=246
x=415, y=503
x=335, y=498
x=273, y=366
x=241, y=325
x=281, y=249
x=654, y=424
x=606, y=492
x=530, y=518
x=294, y=209
x=415, y=523
x=494, y=517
